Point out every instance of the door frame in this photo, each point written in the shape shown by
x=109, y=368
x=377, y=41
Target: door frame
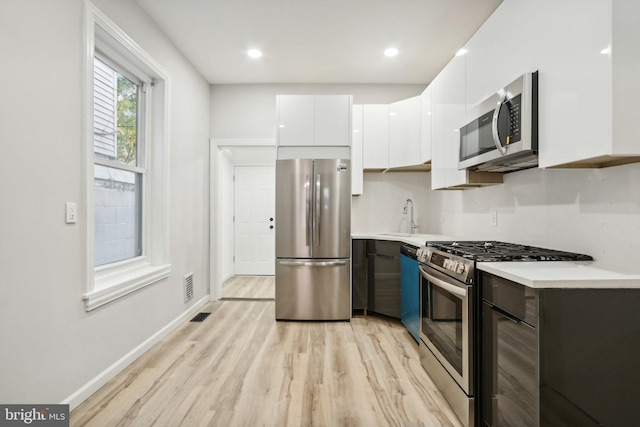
x=220, y=151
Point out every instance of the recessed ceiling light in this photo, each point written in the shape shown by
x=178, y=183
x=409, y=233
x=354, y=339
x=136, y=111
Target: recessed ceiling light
x=461, y=52
x=392, y=51
x=254, y=53
x=605, y=51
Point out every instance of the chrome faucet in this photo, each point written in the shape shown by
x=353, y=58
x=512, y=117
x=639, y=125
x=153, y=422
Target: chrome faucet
x=412, y=225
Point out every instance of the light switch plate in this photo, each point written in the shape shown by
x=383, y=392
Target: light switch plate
x=72, y=213
x=494, y=218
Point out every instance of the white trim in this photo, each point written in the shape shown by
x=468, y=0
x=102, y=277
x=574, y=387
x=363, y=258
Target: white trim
x=112, y=281
x=113, y=285
x=215, y=281
x=227, y=277
x=232, y=142
x=108, y=374
x=118, y=165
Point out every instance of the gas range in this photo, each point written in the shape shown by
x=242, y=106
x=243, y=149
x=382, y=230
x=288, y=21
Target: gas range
x=451, y=313
x=458, y=258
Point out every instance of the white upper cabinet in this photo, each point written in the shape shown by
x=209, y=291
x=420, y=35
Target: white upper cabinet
x=333, y=120
x=375, y=129
x=438, y=162
x=356, y=151
x=503, y=48
x=425, y=125
x=454, y=118
x=405, y=146
x=448, y=115
x=295, y=120
x=307, y=120
x=589, y=90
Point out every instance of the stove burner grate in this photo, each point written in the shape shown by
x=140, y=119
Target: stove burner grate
x=487, y=251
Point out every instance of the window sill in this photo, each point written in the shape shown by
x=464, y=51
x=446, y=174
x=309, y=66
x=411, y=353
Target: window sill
x=111, y=284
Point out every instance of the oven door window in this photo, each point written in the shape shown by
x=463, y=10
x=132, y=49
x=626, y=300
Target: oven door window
x=443, y=322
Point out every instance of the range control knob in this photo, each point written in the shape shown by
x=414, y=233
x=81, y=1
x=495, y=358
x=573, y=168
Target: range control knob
x=461, y=268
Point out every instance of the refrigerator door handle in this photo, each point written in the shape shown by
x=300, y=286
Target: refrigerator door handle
x=307, y=186
x=312, y=263
x=318, y=210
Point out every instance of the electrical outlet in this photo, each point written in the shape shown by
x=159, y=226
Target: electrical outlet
x=72, y=213
x=494, y=218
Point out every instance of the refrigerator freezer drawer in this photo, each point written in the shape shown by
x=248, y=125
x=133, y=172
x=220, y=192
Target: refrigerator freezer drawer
x=311, y=289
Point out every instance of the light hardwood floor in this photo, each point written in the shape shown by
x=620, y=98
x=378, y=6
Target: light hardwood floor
x=261, y=287
x=242, y=368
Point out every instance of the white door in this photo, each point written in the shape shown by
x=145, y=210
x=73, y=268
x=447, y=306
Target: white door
x=254, y=213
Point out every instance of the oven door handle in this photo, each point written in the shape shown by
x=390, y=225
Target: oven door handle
x=456, y=290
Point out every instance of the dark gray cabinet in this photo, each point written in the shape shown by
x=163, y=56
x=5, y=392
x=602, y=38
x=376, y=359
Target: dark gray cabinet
x=559, y=357
x=359, y=274
x=384, y=277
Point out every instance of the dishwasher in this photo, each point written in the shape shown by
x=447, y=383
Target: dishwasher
x=410, y=290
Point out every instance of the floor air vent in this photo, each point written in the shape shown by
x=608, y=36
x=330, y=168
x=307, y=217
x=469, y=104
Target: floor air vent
x=188, y=287
x=200, y=317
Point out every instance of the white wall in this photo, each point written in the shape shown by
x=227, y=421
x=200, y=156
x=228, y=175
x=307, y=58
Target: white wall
x=247, y=111
x=379, y=208
x=596, y=212
x=51, y=347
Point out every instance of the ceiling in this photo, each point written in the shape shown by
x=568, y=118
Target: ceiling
x=319, y=41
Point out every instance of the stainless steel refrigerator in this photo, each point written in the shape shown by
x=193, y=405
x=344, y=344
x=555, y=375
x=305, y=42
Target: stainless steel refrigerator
x=313, y=239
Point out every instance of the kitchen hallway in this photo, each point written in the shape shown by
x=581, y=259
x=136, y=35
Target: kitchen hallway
x=239, y=367
x=249, y=287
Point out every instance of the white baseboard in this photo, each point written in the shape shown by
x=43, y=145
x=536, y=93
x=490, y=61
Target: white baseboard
x=108, y=374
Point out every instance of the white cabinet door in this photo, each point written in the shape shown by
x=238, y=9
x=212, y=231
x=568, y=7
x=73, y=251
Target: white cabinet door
x=356, y=151
x=503, y=48
x=404, y=133
x=575, y=120
x=375, y=136
x=425, y=125
x=307, y=120
x=438, y=162
x=296, y=120
x=332, y=120
x=454, y=118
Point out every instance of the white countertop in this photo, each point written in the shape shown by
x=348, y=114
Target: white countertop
x=561, y=274
x=411, y=239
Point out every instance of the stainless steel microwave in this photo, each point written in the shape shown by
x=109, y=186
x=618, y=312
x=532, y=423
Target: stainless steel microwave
x=503, y=133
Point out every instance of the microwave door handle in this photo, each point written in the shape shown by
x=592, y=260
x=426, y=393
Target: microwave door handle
x=456, y=290
x=494, y=124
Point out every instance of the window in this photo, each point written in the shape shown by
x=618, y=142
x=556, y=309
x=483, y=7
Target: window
x=118, y=144
x=127, y=156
